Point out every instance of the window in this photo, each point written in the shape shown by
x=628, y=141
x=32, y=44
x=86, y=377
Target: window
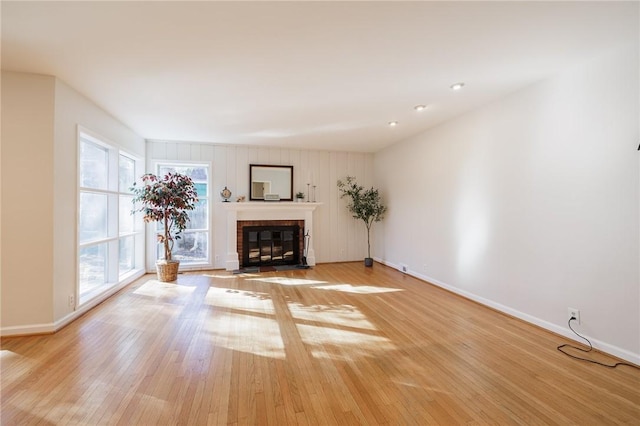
x=193, y=246
x=110, y=238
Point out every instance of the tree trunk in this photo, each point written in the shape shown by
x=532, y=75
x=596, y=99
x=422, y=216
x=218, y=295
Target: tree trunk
x=368, y=240
x=167, y=249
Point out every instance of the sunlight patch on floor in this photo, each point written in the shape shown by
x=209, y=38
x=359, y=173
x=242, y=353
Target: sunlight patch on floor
x=223, y=277
x=247, y=333
x=250, y=301
x=287, y=281
x=134, y=319
x=6, y=355
x=358, y=289
x=158, y=289
x=39, y=412
x=341, y=315
x=336, y=344
x=14, y=366
x=245, y=275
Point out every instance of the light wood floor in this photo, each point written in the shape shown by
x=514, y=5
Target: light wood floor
x=339, y=344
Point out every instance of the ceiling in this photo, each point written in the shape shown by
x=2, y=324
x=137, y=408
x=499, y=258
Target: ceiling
x=317, y=75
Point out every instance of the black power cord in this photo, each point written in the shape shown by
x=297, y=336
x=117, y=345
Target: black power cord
x=588, y=350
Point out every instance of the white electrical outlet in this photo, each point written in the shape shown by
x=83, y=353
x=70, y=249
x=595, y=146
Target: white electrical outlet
x=72, y=300
x=573, y=313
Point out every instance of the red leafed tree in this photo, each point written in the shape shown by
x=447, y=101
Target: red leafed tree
x=167, y=200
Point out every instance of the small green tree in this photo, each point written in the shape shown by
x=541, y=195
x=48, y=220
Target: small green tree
x=167, y=200
x=364, y=204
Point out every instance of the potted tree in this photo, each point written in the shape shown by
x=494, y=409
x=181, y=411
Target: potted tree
x=300, y=196
x=364, y=204
x=166, y=200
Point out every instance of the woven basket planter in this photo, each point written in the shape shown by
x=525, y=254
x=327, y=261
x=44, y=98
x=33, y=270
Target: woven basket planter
x=167, y=271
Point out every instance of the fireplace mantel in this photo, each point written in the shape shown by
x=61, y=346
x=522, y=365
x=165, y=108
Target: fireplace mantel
x=266, y=210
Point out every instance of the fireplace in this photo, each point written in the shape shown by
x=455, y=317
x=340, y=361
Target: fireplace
x=270, y=242
x=299, y=215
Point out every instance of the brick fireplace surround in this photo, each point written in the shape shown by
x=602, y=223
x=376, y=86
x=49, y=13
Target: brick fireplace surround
x=242, y=223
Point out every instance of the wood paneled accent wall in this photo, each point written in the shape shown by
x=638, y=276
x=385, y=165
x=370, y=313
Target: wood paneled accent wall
x=338, y=237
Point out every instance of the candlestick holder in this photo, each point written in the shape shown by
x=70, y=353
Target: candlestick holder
x=308, y=194
x=314, y=193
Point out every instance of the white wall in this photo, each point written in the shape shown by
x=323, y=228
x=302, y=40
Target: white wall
x=338, y=237
x=27, y=199
x=530, y=204
x=40, y=116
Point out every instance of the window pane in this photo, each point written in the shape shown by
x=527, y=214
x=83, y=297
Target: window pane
x=196, y=173
x=198, y=216
x=201, y=189
x=163, y=170
x=93, y=270
x=192, y=247
x=93, y=216
x=126, y=254
x=127, y=176
x=126, y=220
x=94, y=163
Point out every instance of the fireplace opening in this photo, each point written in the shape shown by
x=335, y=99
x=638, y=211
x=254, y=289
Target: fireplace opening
x=270, y=245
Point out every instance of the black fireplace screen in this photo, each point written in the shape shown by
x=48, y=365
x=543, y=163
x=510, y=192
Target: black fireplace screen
x=270, y=245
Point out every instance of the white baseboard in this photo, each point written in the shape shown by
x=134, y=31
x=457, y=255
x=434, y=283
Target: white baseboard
x=563, y=331
x=24, y=330
x=49, y=328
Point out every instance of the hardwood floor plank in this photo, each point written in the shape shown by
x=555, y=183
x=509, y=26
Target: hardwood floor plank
x=338, y=344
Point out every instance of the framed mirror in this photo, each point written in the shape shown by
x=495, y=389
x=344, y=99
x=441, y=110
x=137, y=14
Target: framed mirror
x=271, y=183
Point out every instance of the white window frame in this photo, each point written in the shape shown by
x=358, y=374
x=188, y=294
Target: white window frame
x=113, y=276
x=152, y=232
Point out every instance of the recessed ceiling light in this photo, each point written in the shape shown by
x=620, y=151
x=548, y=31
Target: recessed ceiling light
x=393, y=123
x=457, y=86
x=420, y=107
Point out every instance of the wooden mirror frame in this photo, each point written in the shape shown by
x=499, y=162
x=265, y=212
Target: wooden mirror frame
x=283, y=175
